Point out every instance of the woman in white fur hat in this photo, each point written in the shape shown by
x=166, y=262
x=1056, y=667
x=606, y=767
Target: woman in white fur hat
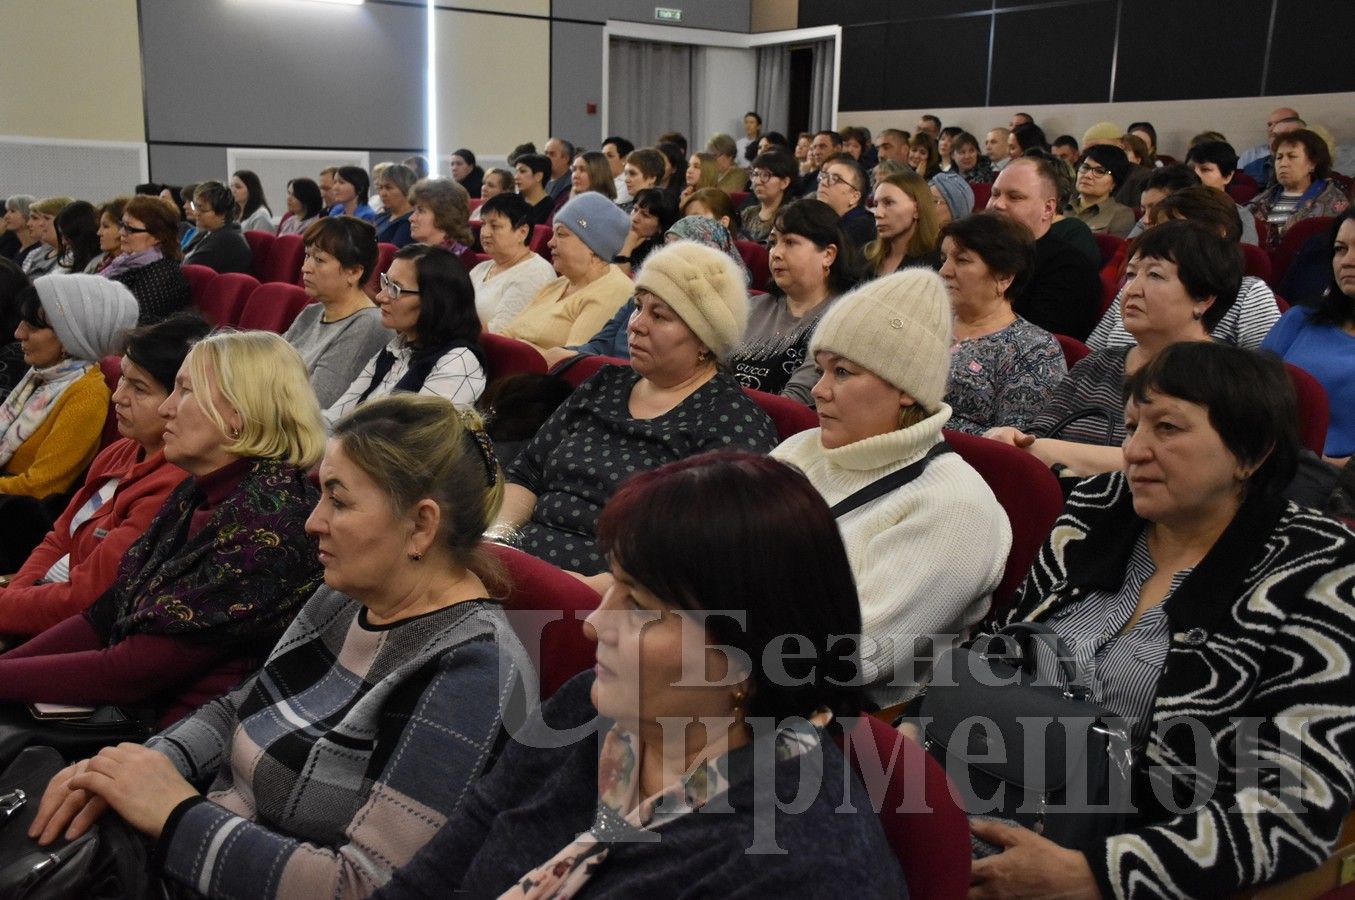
x=882, y=353
x=50, y=424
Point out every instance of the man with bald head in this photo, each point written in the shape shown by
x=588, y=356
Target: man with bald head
x=1063, y=295
x=995, y=148
x=1277, y=116
x=1262, y=169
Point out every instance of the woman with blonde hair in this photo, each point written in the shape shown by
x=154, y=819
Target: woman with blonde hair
x=376, y=711
x=225, y=564
x=42, y=225
x=905, y=224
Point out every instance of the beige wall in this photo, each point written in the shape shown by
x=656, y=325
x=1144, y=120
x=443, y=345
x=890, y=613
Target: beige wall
x=1241, y=119
x=517, y=7
x=493, y=81
x=70, y=69
x=775, y=15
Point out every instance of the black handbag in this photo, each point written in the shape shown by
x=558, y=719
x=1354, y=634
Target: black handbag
x=106, y=862
x=74, y=738
x=1022, y=742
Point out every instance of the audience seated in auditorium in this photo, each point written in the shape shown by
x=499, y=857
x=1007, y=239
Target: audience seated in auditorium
x=507, y=281
x=1321, y=340
x=1180, y=281
x=1252, y=314
x=396, y=681
x=642, y=171
x=467, y=172
x=1064, y=291
x=1161, y=183
x=995, y=148
x=1025, y=136
x=824, y=145
x=251, y=208
x=496, y=181
x=51, y=422
x=591, y=172
x=1003, y=369
x=393, y=186
x=226, y=562
x=1262, y=169
x=77, y=236
x=1216, y=165
x=614, y=337
x=304, y=206
x=906, y=225
x=427, y=299
x=1067, y=227
x=945, y=143
x=1100, y=173
x=530, y=173
x=110, y=235
x=12, y=364
x=1303, y=188
x=653, y=211
x=843, y=186
x=616, y=149
x=219, y=243
x=351, y=186
x=1278, y=117
x=712, y=203
x=560, y=152
x=583, y=815
x=855, y=140
x=17, y=207
x=730, y=177
x=774, y=174
x=971, y=165
x=748, y=145
x=188, y=226
x=338, y=334
x=441, y=218
x=812, y=263
x=923, y=156
x=1065, y=148
x=128, y=482
x=42, y=226
x=892, y=144
x=149, y=262
x=1161, y=577
x=953, y=197
x=674, y=166
x=701, y=173
x=882, y=355
x=325, y=181
x=589, y=231
x=673, y=401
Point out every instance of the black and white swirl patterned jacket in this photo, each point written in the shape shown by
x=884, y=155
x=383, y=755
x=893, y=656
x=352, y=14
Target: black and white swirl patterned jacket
x=1253, y=788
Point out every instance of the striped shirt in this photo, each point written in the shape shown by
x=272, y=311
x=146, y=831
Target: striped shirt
x=1245, y=324
x=1285, y=205
x=1121, y=669
x=1094, y=386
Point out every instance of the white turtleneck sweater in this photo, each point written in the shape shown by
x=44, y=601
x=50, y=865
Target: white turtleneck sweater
x=926, y=556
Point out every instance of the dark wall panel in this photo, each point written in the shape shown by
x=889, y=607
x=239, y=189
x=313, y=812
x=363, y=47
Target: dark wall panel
x=1310, y=52
x=814, y=13
x=863, y=68
x=1024, y=72
x=1173, y=50
x=936, y=62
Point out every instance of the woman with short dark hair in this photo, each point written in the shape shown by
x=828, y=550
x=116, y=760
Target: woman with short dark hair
x=220, y=244
x=351, y=187
x=428, y=301
x=251, y=207
x=1100, y=173
x=149, y=263
x=77, y=236
x=1304, y=187
x=304, y=206
x=507, y=281
x=1184, y=584
x=466, y=172
x=609, y=809
x=110, y=235
x=652, y=212
x=773, y=174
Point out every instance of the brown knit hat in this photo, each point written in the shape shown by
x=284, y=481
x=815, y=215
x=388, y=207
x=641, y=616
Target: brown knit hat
x=898, y=327
x=704, y=287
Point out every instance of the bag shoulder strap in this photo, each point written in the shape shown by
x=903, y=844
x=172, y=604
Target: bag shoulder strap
x=881, y=486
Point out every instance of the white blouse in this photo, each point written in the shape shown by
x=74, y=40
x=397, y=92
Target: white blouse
x=498, y=300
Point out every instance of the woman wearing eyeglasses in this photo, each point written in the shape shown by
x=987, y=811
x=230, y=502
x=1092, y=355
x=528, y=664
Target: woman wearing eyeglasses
x=149, y=262
x=773, y=174
x=428, y=301
x=1100, y=173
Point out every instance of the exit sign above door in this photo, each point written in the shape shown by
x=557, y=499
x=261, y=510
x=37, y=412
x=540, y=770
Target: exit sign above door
x=664, y=14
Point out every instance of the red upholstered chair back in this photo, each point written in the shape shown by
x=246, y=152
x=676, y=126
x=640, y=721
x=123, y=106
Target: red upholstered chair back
x=475, y=203
x=738, y=198
x=581, y=368
x=1027, y=491
x=384, y=254
x=480, y=257
x=1108, y=245
x=260, y=244
x=1314, y=409
x=272, y=307
x=910, y=792
x=982, y=194
x=1256, y=263
x=284, y=260
x=540, y=241
x=1073, y=349
x=547, y=607
x=1243, y=187
x=198, y=279
x=759, y=267
x=225, y=296
x=1295, y=237
x=789, y=416
x=111, y=366
x=509, y=356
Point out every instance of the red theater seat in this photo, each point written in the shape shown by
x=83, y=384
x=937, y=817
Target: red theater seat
x=284, y=260
x=260, y=243
x=272, y=307
x=509, y=356
x=225, y=296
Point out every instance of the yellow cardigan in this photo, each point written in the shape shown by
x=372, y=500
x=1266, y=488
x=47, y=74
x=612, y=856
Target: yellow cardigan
x=61, y=449
x=549, y=321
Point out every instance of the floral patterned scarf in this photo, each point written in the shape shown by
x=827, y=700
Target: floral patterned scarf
x=705, y=230
x=622, y=815
x=32, y=400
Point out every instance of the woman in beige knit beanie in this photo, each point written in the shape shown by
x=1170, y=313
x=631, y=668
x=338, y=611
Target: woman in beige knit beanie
x=883, y=354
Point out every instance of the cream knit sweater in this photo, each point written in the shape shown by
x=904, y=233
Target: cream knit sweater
x=926, y=556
